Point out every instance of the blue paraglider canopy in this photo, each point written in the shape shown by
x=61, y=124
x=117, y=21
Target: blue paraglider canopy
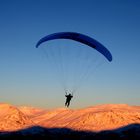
x=80, y=38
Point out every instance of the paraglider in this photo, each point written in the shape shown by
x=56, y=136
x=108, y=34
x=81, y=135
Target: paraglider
x=82, y=39
x=68, y=98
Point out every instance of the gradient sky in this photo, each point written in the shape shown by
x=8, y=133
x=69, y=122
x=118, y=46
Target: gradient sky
x=24, y=78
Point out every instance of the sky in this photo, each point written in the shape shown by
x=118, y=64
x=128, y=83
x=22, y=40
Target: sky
x=26, y=79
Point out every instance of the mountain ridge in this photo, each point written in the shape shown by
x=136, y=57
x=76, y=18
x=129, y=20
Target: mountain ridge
x=94, y=118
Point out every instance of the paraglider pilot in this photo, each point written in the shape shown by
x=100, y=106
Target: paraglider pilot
x=68, y=99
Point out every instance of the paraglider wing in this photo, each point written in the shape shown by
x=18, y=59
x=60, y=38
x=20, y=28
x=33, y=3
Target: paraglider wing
x=80, y=38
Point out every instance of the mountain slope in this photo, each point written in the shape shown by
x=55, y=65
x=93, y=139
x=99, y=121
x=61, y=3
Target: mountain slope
x=96, y=118
x=11, y=118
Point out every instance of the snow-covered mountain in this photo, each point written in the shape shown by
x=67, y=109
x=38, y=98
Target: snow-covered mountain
x=95, y=118
x=11, y=118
